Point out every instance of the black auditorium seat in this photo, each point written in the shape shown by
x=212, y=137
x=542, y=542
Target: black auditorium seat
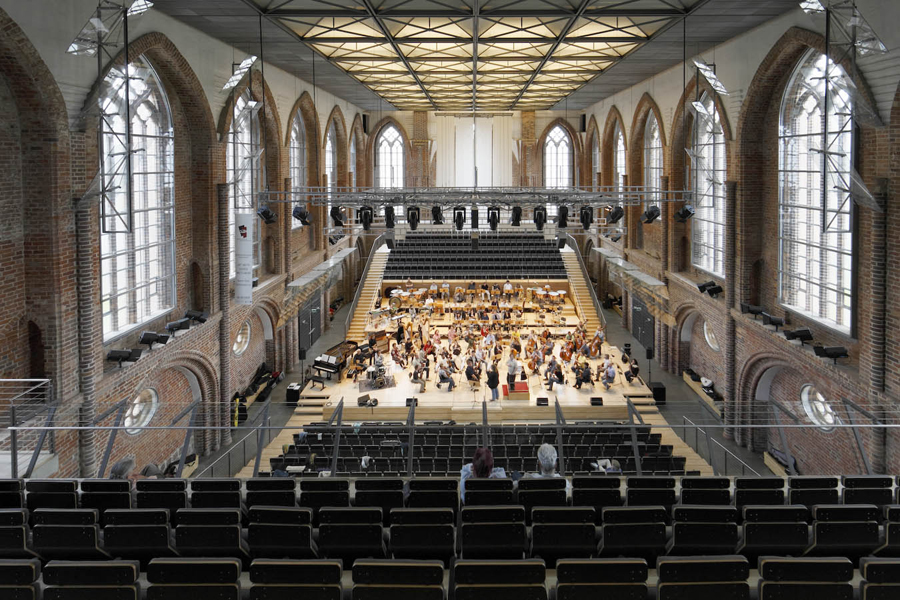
x=541, y=491
x=488, y=492
x=633, y=531
x=705, y=490
x=868, y=489
x=563, y=532
x=597, y=492
x=650, y=491
x=67, y=534
x=489, y=532
x=170, y=494
x=19, y=578
x=280, y=532
x=270, y=491
x=216, y=493
x=398, y=580
x=805, y=578
x=609, y=578
x=702, y=578
x=210, y=532
x=433, y=492
x=774, y=530
x=321, y=492
x=881, y=578
x=105, y=494
x=86, y=580
x=499, y=580
x=758, y=490
x=12, y=493
x=891, y=545
x=811, y=490
x=426, y=533
x=51, y=493
x=382, y=492
x=194, y=578
x=136, y=533
x=351, y=533
x=14, y=540
x=703, y=530
x=286, y=579
x=844, y=530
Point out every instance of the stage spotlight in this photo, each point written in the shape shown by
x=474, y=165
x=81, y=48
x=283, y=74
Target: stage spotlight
x=148, y=338
x=803, y=334
x=615, y=214
x=715, y=290
x=366, y=216
x=459, y=217
x=650, y=215
x=586, y=216
x=684, y=214
x=437, y=217
x=412, y=217
x=752, y=309
x=267, y=215
x=832, y=352
x=301, y=214
x=179, y=325
x=474, y=218
x=562, y=217
x=516, y=218
x=771, y=320
x=337, y=216
x=389, y=217
x=615, y=238
x=705, y=286
x=494, y=217
x=540, y=217
x=120, y=356
x=197, y=315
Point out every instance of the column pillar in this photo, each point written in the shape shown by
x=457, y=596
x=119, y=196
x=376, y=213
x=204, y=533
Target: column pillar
x=220, y=413
x=665, y=216
x=530, y=176
x=89, y=338
x=730, y=293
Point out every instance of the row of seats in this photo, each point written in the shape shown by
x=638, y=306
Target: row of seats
x=677, y=578
x=483, y=532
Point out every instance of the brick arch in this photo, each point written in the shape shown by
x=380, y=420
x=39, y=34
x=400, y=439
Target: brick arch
x=607, y=150
x=749, y=410
x=343, y=144
x=593, y=132
x=645, y=106
x=370, y=149
x=305, y=107
x=577, y=156
x=356, y=131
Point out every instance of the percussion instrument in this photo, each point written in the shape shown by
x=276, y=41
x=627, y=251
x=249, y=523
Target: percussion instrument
x=379, y=382
x=396, y=302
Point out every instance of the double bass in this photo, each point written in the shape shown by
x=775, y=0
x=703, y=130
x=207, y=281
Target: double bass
x=567, y=351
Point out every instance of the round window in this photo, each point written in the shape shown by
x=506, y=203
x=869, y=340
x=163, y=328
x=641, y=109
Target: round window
x=141, y=411
x=817, y=408
x=710, y=336
x=242, y=340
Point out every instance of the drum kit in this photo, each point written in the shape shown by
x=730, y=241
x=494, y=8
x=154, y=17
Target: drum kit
x=377, y=375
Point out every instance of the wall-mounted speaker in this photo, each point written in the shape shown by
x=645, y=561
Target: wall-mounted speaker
x=597, y=401
x=543, y=402
x=390, y=243
x=583, y=127
x=302, y=354
x=650, y=353
x=365, y=124
x=562, y=243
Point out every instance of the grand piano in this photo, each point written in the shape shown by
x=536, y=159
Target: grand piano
x=334, y=361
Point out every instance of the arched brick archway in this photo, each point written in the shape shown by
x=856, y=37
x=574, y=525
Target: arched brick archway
x=357, y=133
x=607, y=144
x=305, y=108
x=370, y=149
x=340, y=129
x=648, y=237
x=590, y=168
x=577, y=157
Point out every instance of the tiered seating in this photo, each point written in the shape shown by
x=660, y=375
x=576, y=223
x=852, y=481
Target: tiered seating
x=501, y=257
x=443, y=450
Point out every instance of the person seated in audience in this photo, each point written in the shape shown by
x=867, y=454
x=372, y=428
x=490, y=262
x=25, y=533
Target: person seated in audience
x=608, y=465
x=493, y=381
x=583, y=375
x=609, y=376
x=482, y=467
x=507, y=290
x=396, y=356
x=444, y=376
x=546, y=459
x=419, y=374
x=633, y=370
x=556, y=376
x=122, y=469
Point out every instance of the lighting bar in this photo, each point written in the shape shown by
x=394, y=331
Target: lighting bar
x=139, y=7
x=240, y=72
x=710, y=75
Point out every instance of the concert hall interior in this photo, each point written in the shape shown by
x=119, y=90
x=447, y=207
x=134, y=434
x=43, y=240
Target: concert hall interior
x=529, y=289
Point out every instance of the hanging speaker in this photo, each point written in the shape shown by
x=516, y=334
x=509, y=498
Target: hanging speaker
x=583, y=126
x=365, y=124
x=390, y=243
x=650, y=353
x=302, y=354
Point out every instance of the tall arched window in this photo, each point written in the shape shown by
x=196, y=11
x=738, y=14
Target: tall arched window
x=619, y=158
x=816, y=219
x=389, y=168
x=653, y=158
x=244, y=168
x=298, y=160
x=352, y=165
x=558, y=155
x=708, y=167
x=330, y=165
x=137, y=267
x=595, y=161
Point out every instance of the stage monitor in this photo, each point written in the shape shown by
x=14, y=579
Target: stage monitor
x=411, y=401
x=362, y=400
x=596, y=401
x=543, y=402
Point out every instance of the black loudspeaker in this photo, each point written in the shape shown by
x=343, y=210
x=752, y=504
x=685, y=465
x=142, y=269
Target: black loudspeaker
x=583, y=128
x=474, y=218
x=390, y=243
x=365, y=124
x=362, y=400
x=543, y=402
x=302, y=355
x=659, y=392
x=596, y=401
x=650, y=353
x=411, y=401
x=562, y=243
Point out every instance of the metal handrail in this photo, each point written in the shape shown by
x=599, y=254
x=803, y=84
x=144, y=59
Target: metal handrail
x=586, y=275
x=379, y=241
x=263, y=424
x=696, y=447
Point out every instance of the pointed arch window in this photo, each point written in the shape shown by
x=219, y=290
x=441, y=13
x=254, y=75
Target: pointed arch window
x=816, y=216
x=137, y=267
x=558, y=159
x=389, y=168
x=352, y=166
x=708, y=168
x=298, y=158
x=245, y=168
x=595, y=161
x=619, y=175
x=653, y=158
x=330, y=166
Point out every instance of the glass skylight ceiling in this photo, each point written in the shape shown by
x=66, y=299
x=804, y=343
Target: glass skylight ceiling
x=426, y=55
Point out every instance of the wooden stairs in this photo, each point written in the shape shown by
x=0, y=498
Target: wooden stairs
x=581, y=294
x=356, y=332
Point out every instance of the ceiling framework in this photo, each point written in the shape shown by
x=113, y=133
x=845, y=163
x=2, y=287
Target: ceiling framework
x=483, y=55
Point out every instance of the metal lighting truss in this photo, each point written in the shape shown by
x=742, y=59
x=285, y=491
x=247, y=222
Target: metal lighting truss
x=483, y=55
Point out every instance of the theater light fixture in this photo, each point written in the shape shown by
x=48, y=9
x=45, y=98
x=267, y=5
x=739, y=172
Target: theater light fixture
x=139, y=7
x=337, y=216
x=715, y=290
x=709, y=73
x=240, y=72
x=832, y=352
x=389, y=221
x=683, y=214
x=615, y=214
x=474, y=221
x=615, y=238
x=586, y=216
x=174, y=327
x=812, y=7
x=197, y=315
x=751, y=309
x=516, y=216
x=412, y=217
x=459, y=217
x=540, y=217
x=266, y=214
x=803, y=334
x=562, y=216
x=494, y=217
x=705, y=286
x=301, y=214
x=366, y=216
x=437, y=216
x=772, y=320
x=120, y=356
x=650, y=215
x=148, y=338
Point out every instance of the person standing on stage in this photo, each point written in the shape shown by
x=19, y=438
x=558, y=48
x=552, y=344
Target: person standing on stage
x=493, y=381
x=512, y=371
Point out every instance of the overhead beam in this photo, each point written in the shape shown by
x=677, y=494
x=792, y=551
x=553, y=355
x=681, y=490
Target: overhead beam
x=489, y=14
x=367, y=39
x=475, y=64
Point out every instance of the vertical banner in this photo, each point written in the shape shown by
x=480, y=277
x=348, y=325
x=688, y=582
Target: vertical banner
x=243, y=257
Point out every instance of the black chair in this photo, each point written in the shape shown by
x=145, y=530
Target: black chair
x=281, y=579
x=650, y=491
x=18, y=578
x=563, y=533
x=774, y=530
x=881, y=578
x=709, y=491
x=67, y=534
x=891, y=545
x=351, y=533
x=138, y=534
x=758, y=491
x=316, y=500
x=597, y=492
x=812, y=490
x=845, y=530
x=634, y=532
x=398, y=580
x=499, y=580
x=703, y=530
x=805, y=578
x=488, y=532
x=702, y=577
x=78, y=580
x=434, y=499
x=386, y=500
x=613, y=578
x=426, y=533
x=172, y=501
x=281, y=532
x=212, y=541
x=14, y=542
x=194, y=578
x=868, y=489
x=287, y=498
